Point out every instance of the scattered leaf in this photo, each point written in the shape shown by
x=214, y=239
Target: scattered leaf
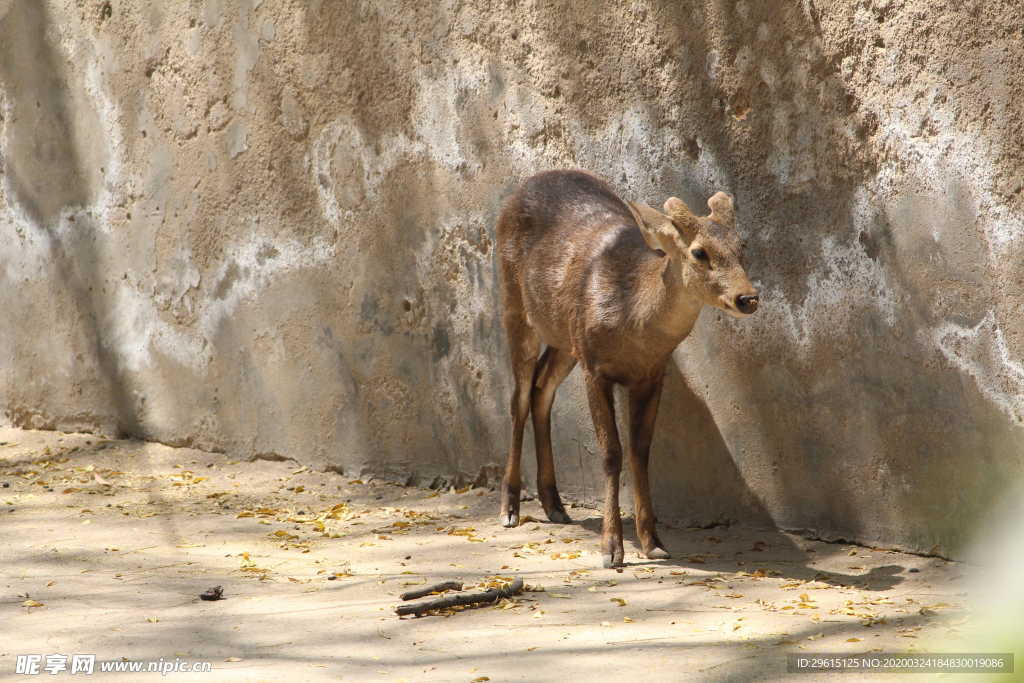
x=572, y=555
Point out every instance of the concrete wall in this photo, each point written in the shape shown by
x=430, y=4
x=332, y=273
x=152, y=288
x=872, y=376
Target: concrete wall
x=267, y=227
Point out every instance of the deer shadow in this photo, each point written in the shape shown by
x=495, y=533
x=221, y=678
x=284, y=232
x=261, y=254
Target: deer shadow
x=700, y=487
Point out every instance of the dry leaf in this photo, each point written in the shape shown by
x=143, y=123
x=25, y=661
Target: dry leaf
x=619, y=601
x=31, y=603
x=565, y=556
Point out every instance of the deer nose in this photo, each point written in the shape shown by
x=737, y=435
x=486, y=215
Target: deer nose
x=747, y=303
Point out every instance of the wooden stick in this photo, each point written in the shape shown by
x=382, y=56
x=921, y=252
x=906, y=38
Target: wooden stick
x=423, y=592
x=459, y=599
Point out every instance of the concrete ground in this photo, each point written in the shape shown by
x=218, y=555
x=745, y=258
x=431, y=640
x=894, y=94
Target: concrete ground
x=106, y=546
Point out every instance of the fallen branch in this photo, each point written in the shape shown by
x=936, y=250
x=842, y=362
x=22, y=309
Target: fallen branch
x=461, y=599
x=423, y=592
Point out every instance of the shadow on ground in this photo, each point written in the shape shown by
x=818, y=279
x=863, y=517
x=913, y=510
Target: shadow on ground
x=116, y=539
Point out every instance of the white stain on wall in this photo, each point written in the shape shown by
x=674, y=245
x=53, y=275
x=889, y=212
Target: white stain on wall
x=347, y=170
x=935, y=155
x=844, y=285
x=133, y=323
x=259, y=262
x=137, y=330
x=981, y=353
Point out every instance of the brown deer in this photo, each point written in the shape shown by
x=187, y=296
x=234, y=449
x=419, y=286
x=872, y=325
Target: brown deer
x=615, y=287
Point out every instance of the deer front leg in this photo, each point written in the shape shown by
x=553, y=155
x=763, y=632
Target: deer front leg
x=602, y=410
x=643, y=410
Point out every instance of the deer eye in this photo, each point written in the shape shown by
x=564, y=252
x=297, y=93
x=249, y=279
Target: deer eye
x=699, y=254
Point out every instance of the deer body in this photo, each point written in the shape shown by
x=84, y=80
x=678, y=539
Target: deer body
x=615, y=288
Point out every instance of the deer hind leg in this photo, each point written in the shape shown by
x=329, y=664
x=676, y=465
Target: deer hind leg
x=602, y=410
x=643, y=409
x=523, y=346
x=552, y=369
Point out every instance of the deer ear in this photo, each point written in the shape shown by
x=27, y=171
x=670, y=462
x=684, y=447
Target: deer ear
x=682, y=217
x=722, y=210
x=658, y=230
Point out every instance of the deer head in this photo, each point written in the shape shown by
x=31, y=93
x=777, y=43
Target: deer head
x=705, y=251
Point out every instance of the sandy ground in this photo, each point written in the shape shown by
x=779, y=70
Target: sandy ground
x=106, y=546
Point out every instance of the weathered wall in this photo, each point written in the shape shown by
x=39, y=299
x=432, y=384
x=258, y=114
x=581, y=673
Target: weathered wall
x=267, y=227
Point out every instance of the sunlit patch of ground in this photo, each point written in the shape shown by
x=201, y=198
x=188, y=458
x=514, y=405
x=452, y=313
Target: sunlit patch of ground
x=106, y=546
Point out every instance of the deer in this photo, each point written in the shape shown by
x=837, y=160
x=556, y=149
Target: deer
x=615, y=287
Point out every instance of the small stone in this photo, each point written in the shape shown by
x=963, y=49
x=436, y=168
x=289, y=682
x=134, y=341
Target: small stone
x=215, y=593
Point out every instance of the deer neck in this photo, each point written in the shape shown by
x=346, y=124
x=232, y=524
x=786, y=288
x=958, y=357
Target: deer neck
x=671, y=309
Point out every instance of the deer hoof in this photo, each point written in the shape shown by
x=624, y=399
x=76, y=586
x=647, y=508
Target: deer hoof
x=658, y=554
x=509, y=520
x=559, y=516
x=609, y=561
